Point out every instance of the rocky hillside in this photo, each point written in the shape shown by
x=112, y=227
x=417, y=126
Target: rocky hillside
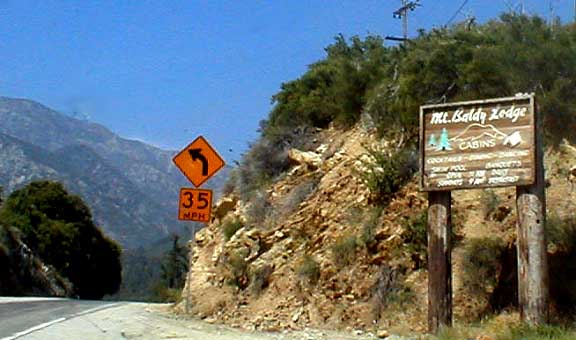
x=322, y=254
x=131, y=187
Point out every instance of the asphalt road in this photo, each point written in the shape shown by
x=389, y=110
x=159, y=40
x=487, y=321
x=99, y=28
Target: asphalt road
x=20, y=316
x=62, y=319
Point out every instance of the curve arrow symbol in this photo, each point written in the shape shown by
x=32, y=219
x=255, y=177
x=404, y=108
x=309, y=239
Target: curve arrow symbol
x=196, y=154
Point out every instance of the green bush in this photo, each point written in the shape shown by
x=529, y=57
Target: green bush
x=260, y=278
x=308, y=270
x=561, y=237
x=490, y=202
x=481, y=264
x=238, y=270
x=368, y=236
x=230, y=227
x=387, y=172
x=415, y=239
x=262, y=164
x=545, y=332
x=344, y=250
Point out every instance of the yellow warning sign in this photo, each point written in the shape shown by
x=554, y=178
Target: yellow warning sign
x=198, y=161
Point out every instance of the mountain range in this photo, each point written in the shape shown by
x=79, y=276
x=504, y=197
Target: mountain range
x=131, y=187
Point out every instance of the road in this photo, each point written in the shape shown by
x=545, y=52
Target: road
x=21, y=316
x=61, y=319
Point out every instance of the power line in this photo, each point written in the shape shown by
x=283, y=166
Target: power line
x=457, y=12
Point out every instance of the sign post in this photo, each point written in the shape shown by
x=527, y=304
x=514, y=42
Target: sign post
x=198, y=162
x=484, y=144
x=533, y=291
x=439, y=260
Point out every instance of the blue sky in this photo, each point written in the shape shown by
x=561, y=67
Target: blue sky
x=167, y=71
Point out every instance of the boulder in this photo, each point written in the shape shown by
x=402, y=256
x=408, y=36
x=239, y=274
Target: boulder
x=223, y=207
x=311, y=159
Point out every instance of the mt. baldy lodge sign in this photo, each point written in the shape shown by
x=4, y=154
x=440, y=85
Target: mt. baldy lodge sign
x=478, y=144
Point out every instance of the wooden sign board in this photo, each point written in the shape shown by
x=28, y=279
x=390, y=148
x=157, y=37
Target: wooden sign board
x=195, y=205
x=477, y=144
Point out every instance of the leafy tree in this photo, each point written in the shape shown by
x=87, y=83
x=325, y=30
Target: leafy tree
x=58, y=226
x=175, y=265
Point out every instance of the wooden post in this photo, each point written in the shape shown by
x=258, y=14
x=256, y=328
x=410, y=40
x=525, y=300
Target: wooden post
x=533, y=291
x=439, y=260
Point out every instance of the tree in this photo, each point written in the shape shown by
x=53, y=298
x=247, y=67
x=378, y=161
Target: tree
x=58, y=227
x=444, y=141
x=175, y=265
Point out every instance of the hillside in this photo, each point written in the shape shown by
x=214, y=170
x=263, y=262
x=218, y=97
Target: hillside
x=323, y=256
x=131, y=187
x=324, y=225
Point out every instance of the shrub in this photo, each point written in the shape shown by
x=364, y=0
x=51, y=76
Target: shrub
x=545, y=332
x=490, y=202
x=387, y=172
x=264, y=162
x=260, y=278
x=344, y=249
x=161, y=293
x=390, y=290
x=238, y=270
x=415, y=239
x=230, y=228
x=308, y=270
x=561, y=235
x=481, y=264
x=368, y=237
x=259, y=208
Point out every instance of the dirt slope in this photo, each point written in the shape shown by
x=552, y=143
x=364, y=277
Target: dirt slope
x=324, y=257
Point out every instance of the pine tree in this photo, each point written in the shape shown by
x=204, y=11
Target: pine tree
x=432, y=140
x=444, y=142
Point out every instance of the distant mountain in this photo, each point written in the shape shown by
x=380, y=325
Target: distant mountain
x=131, y=187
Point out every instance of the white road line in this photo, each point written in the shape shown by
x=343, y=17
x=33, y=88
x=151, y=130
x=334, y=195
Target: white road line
x=4, y=299
x=34, y=329
x=50, y=323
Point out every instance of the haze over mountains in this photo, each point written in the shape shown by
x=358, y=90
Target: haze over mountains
x=131, y=187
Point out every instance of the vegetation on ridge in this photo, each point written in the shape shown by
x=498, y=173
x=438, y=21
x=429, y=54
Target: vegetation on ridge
x=362, y=81
x=58, y=227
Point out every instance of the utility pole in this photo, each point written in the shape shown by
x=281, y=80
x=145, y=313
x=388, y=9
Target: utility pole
x=402, y=13
x=551, y=15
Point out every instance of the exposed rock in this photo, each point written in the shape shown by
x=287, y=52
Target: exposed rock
x=223, y=207
x=311, y=159
x=383, y=334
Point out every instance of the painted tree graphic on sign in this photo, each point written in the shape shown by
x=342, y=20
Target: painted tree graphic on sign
x=444, y=142
x=432, y=140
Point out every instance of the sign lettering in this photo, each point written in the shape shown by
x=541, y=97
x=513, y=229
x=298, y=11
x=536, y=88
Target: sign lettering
x=195, y=205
